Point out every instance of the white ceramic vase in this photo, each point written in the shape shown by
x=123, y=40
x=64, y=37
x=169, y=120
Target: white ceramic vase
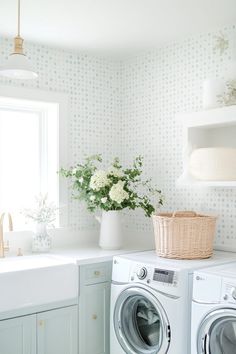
x=217, y=91
x=212, y=90
x=42, y=241
x=110, y=230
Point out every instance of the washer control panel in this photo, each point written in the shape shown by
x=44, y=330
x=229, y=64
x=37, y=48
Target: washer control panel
x=163, y=275
x=153, y=275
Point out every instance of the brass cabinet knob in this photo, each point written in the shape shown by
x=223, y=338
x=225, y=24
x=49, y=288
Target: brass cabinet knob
x=41, y=323
x=97, y=273
x=94, y=316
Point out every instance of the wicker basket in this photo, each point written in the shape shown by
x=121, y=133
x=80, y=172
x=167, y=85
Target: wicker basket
x=184, y=235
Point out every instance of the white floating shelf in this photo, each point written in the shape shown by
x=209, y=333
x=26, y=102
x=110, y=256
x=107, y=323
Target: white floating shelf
x=190, y=181
x=209, y=128
x=223, y=116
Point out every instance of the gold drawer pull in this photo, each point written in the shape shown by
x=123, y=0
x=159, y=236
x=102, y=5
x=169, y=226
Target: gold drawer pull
x=97, y=273
x=94, y=316
x=41, y=323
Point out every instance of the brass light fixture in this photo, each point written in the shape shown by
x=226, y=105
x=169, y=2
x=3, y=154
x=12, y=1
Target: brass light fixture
x=18, y=65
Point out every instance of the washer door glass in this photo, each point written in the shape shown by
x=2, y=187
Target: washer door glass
x=219, y=333
x=140, y=323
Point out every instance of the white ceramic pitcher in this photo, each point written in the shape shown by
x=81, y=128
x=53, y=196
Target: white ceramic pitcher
x=110, y=230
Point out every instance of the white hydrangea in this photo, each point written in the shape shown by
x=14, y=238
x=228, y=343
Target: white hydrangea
x=99, y=180
x=104, y=200
x=92, y=198
x=81, y=180
x=113, y=171
x=117, y=192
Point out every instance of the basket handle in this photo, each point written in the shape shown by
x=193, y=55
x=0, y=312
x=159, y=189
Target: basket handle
x=186, y=214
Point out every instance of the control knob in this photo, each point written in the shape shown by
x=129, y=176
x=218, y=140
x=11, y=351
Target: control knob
x=233, y=293
x=142, y=273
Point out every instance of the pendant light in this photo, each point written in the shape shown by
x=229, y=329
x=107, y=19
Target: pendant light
x=18, y=65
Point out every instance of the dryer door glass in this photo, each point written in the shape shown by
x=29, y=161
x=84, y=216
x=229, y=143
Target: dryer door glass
x=223, y=336
x=218, y=333
x=140, y=323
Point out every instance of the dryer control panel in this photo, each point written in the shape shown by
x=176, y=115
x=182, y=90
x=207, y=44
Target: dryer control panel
x=228, y=293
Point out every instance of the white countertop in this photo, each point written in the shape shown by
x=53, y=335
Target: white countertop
x=93, y=254
x=76, y=254
x=31, y=262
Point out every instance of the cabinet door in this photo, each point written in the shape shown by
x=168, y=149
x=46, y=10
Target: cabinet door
x=94, y=307
x=18, y=335
x=57, y=331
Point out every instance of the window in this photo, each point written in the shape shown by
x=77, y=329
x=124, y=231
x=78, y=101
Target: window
x=29, y=154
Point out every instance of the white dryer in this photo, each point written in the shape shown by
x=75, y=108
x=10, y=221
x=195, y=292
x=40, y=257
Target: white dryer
x=151, y=302
x=214, y=310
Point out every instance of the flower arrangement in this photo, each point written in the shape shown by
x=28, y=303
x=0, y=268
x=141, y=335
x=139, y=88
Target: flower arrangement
x=44, y=211
x=221, y=43
x=228, y=98
x=113, y=189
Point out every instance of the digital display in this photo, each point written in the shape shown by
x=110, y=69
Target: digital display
x=163, y=275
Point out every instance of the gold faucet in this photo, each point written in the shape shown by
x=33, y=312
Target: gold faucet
x=4, y=248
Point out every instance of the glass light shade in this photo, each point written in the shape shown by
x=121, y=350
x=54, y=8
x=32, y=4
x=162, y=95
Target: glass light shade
x=18, y=66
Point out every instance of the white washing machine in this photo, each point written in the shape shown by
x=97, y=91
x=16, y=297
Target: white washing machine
x=151, y=302
x=214, y=310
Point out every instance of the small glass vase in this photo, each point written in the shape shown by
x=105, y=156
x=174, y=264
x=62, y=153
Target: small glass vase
x=42, y=241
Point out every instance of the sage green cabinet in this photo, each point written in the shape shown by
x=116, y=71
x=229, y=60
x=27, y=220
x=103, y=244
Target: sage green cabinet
x=18, y=335
x=57, y=331
x=94, y=308
x=49, y=332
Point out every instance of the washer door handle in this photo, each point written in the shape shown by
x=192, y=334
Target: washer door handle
x=168, y=332
x=206, y=342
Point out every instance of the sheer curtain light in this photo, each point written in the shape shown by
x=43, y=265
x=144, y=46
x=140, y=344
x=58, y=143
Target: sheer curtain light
x=18, y=65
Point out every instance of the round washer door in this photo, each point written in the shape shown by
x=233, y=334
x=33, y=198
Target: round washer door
x=140, y=322
x=217, y=333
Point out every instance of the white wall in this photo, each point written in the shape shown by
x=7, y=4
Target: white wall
x=156, y=86
x=129, y=109
x=92, y=84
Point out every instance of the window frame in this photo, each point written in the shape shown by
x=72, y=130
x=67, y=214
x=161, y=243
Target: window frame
x=61, y=99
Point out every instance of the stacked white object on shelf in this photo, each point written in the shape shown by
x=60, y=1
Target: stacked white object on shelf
x=209, y=156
